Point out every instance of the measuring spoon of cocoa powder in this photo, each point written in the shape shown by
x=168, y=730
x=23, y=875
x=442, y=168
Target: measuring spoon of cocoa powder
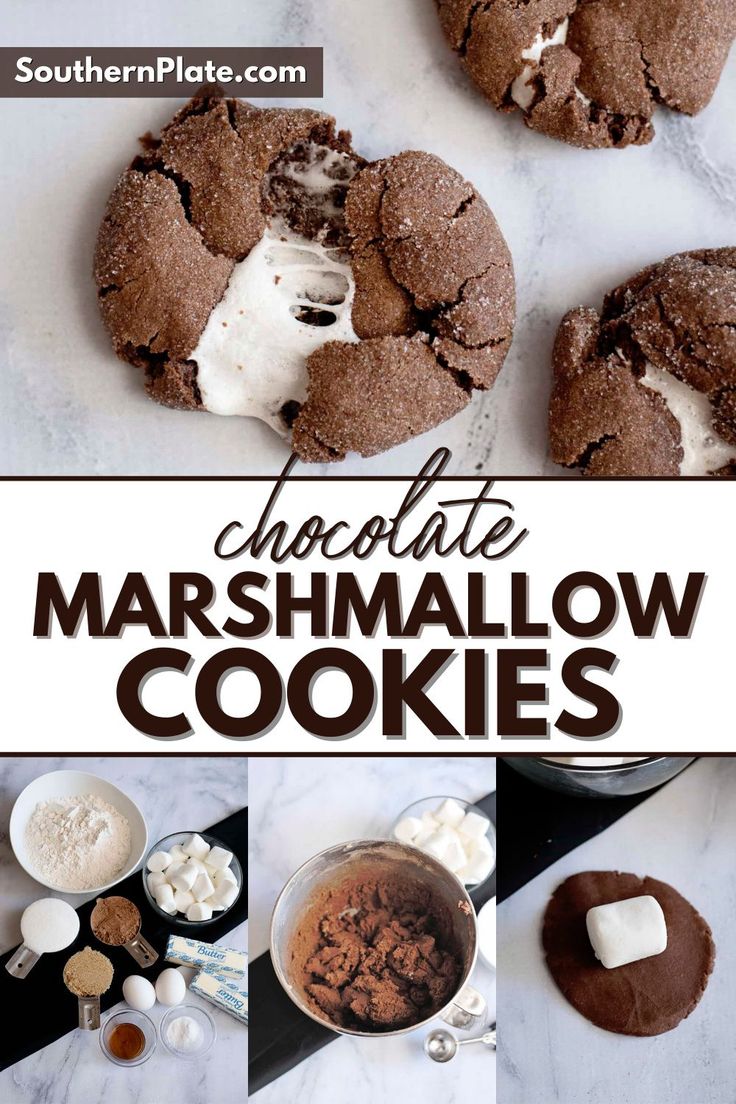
x=116, y=921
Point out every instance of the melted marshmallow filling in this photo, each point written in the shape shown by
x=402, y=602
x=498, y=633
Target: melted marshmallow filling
x=703, y=450
x=522, y=89
x=289, y=296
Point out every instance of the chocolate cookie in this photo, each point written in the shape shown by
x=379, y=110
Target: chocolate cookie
x=647, y=997
x=648, y=387
x=590, y=72
x=252, y=263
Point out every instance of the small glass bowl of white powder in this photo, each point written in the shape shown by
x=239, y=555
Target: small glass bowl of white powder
x=188, y=1031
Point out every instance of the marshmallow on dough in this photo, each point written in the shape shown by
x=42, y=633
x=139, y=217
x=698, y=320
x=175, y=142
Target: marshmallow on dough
x=626, y=931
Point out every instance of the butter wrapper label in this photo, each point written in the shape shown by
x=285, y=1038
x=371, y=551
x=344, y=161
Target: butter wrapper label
x=223, y=993
x=201, y=956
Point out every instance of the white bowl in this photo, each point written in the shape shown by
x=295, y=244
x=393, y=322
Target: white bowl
x=70, y=783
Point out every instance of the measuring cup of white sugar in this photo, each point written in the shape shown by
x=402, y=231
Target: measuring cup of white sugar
x=453, y=831
x=46, y=926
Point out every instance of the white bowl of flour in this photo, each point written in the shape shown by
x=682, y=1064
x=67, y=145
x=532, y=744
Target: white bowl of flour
x=77, y=833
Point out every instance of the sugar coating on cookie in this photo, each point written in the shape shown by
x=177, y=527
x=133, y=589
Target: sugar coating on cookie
x=648, y=386
x=252, y=263
x=591, y=72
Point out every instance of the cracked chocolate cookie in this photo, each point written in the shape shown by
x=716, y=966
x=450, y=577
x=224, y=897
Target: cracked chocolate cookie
x=591, y=72
x=648, y=387
x=252, y=263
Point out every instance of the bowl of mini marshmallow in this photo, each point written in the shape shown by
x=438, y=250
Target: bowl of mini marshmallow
x=192, y=878
x=455, y=832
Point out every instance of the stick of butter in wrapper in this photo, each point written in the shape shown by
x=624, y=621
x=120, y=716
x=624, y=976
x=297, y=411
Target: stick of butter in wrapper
x=222, y=992
x=193, y=952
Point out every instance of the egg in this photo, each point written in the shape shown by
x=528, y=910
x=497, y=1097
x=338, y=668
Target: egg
x=170, y=987
x=139, y=993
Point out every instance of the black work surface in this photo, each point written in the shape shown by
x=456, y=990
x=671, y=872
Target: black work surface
x=541, y=825
x=39, y=1009
x=281, y=1036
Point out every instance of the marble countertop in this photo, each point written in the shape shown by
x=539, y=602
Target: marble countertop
x=73, y=1070
x=683, y=835
x=358, y=797
x=577, y=222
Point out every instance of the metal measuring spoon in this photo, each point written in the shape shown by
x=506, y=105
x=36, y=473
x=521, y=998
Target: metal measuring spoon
x=441, y=1046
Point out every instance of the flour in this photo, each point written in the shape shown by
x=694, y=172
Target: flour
x=77, y=843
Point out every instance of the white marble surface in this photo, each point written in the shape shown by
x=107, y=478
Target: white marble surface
x=174, y=792
x=297, y=808
x=548, y=1052
x=577, y=222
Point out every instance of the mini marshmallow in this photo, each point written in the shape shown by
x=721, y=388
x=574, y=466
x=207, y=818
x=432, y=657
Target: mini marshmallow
x=155, y=878
x=626, y=931
x=158, y=861
x=407, y=830
x=454, y=857
x=226, y=895
x=423, y=835
x=214, y=902
x=223, y=876
x=478, y=868
x=482, y=846
x=182, y=876
x=219, y=858
x=200, y=867
x=429, y=820
x=199, y=911
x=196, y=847
x=178, y=854
x=202, y=888
x=438, y=843
x=450, y=812
x=183, y=898
x=473, y=825
x=164, y=896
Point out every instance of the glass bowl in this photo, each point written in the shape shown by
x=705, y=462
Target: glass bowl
x=430, y=805
x=166, y=844
x=129, y=1016
x=201, y=1018
x=600, y=781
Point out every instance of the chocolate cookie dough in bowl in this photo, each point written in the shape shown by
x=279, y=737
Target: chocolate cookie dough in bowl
x=252, y=263
x=591, y=72
x=648, y=386
x=376, y=938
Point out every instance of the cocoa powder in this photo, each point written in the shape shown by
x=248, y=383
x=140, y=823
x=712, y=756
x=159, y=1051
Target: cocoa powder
x=115, y=920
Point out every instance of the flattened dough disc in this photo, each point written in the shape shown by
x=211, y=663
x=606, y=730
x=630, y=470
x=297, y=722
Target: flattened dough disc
x=644, y=998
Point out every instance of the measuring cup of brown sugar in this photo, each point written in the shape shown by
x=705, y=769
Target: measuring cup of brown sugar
x=88, y=974
x=116, y=921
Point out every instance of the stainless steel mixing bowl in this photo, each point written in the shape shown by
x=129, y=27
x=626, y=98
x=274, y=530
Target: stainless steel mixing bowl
x=593, y=781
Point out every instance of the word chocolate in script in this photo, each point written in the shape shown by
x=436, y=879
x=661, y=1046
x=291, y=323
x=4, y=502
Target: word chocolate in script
x=457, y=527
